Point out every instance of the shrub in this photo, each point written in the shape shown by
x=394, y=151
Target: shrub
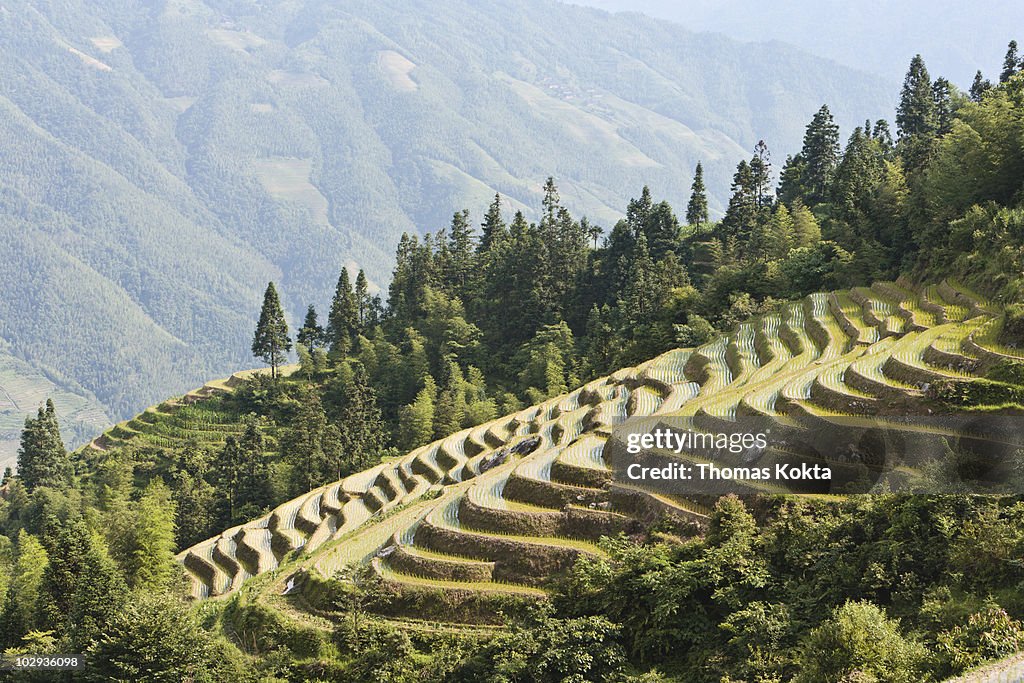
x=860, y=643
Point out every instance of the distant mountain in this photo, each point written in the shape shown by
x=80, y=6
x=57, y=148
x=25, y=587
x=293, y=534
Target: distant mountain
x=163, y=160
x=880, y=36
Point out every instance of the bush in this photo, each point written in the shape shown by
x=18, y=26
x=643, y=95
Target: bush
x=988, y=634
x=1013, y=327
x=860, y=643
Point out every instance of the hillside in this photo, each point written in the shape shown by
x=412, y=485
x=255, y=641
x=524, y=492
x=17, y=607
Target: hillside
x=163, y=161
x=470, y=530
x=862, y=352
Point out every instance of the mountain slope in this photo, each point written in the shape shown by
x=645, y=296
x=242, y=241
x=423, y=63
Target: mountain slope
x=505, y=507
x=955, y=38
x=164, y=160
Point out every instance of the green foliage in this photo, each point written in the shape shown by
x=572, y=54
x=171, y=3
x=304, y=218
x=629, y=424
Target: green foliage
x=151, y=547
x=270, y=341
x=987, y=634
x=42, y=458
x=860, y=643
x=155, y=637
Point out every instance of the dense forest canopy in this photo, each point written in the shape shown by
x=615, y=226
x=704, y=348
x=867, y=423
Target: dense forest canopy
x=478, y=322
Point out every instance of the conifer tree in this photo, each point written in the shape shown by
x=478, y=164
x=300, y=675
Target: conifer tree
x=341, y=322
x=761, y=175
x=360, y=425
x=979, y=87
x=942, y=95
x=450, y=408
x=81, y=586
x=42, y=458
x=1011, y=63
x=741, y=213
x=697, y=207
x=493, y=229
x=310, y=444
x=271, y=341
x=782, y=233
x=806, y=230
x=364, y=303
x=21, y=605
x=819, y=155
x=311, y=334
x=254, y=483
x=915, y=117
x=460, y=264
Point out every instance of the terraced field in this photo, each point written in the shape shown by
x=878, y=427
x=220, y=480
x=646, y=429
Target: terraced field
x=504, y=507
x=195, y=417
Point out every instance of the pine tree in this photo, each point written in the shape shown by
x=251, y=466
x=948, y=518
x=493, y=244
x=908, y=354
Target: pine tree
x=493, y=229
x=819, y=155
x=255, y=490
x=42, y=458
x=1011, y=63
x=741, y=214
x=361, y=426
x=460, y=264
x=915, y=120
x=761, y=175
x=942, y=95
x=311, y=334
x=364, y=303
x=81, y=586
x=979, y=87
x=310, y=444
x=791, y=180
x=341, y=322
x=271, y=342
x=21, y=606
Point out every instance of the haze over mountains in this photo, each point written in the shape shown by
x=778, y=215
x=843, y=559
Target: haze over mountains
x=162, y=161
x=877, y=36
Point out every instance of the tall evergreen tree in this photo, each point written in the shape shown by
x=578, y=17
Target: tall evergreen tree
x=311, y=445
x=360, y=425
x=42, y=458
x=942, y=94
x=979, y=87
x=460, y=262
x=271, y=341
x=342, y=320
x=761, y=175
x=493, y=229
x=311, y=334
x=1011, y=63
x=820, y=155
x=81, y=587
x=697, y=207
x=364, y=303
x=917, y=116
x=416, y=420
x=741, y=214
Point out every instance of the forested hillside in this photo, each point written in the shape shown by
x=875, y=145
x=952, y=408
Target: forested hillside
x=427, y=495
x=162, y=161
